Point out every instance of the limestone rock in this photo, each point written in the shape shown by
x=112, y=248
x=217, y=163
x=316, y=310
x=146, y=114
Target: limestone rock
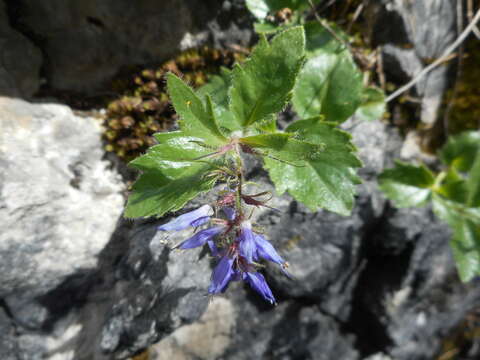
x=59, y=203
x=430, y=27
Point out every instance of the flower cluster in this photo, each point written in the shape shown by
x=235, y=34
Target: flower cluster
x=233, y=241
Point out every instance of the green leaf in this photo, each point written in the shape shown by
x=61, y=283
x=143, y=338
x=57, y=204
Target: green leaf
x=267, y=125
x=196, y=118
x=453, y=187
x=174, y=153
x=266, y=28
x=217, y=88
x=283, y=147
x=170, y=176
x=330, y=83
x=465, y=243
x=407, y=185
x=473, y=183
x=461, y=150
x=372, y=106
x=154, y=194
x=319, y=40
x=272, y=141
x=324, y=159
x=263, y=85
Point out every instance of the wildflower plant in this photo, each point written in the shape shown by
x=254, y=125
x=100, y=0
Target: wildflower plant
x=454, y=193
x=330, y=83
x=311, y=159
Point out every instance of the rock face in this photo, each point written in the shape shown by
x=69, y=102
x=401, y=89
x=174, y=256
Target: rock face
x=430, y=27
x=85, y=43
x=77, y=282
x=378, y=284
x=365, y=285
x=56, y=197
x=157, y=290
x=20, y=61
x=59, y=206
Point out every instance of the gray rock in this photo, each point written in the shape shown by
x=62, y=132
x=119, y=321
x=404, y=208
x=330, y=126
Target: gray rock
x=8, y=343
x=86, y=43
x=417, y=313
x=288, y=331
x=402, y=64
x=59, y=205
x=370, y=284
x=58, y=202
x=158, y=291
x=380, y=284
x=142, y=311
x=216, y=325
x=379, y=356
x=140, y=292
x=20, y=61
x=430, y=26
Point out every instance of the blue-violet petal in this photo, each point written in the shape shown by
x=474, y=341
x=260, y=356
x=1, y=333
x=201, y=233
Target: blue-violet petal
x=193, y=218
x=246, y=240
x=221, y=275
x=201, y=237
x=266, y=250
x=258, y=283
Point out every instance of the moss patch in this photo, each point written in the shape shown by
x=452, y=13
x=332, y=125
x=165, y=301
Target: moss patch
x=465, y=111
x=144, y=108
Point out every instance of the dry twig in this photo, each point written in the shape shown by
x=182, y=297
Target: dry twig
x=470, y=16
x=356, y=14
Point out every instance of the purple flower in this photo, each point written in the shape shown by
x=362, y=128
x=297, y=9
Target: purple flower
x=246, y=241
x=265, y=250
x=202, y=237
x=232, y=267
x=258, y=283
x=193, y=218
x=229, y=212
x=222, y=274
x=237, y=255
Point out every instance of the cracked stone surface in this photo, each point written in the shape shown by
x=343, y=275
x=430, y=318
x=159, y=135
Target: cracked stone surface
x=377, y=284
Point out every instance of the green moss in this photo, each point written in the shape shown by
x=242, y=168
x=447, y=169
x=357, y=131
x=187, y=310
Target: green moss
x=465, y=112
x=143, y=108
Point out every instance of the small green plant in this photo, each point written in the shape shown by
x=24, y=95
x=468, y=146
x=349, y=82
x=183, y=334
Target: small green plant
x=454, y=193
x=236, y=114
x=330, y=84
